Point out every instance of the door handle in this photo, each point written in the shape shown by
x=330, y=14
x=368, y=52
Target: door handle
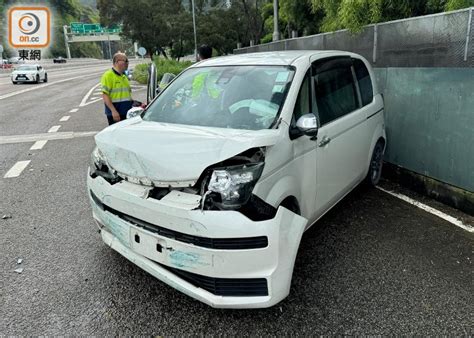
x=324, y=141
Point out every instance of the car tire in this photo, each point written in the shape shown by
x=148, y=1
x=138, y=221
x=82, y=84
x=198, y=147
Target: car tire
x=37, y=78
x=45, y=77
x=375, y=166
x=14, y=82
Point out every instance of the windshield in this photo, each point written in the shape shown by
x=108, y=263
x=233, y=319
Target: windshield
x=237, y=97
x=26, y=68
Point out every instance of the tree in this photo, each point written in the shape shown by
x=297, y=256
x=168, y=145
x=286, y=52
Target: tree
x=144, y=21
x=252, y=18
x=354, y=14
x=297, y=16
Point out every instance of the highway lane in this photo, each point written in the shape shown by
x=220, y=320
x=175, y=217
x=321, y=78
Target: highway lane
x=54, y=75
x=373, y=265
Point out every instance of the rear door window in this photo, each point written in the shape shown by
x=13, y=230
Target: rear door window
x=365, y=82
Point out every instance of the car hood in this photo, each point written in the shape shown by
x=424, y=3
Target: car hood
x=171, y=154
x=17, y=71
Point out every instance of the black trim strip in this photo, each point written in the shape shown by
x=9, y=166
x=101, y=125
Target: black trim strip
x=375, y=113
x=230, y=287
x=241, y=243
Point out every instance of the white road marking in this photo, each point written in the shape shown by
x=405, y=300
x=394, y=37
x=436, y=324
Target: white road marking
x=86, y=97
x=94, y=98
x=90, y=102
x=16, y=170
x=54, y=129
x=431, y=210
x=73, y=110
x=42, y=86
x=46, y=136
x=64, y=118
x=38, y=145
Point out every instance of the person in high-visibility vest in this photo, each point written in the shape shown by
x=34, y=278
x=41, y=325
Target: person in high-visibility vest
x=116, y=91
x=206, y=80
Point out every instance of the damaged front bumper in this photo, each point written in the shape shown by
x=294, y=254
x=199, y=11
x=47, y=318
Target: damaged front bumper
x=221, y=258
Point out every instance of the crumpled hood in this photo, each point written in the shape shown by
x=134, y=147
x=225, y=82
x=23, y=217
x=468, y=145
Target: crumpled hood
x=171, y=154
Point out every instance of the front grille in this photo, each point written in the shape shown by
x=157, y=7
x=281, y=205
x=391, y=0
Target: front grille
x=205, y=242
x=231, y=287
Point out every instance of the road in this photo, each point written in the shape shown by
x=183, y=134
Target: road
x=373, y=265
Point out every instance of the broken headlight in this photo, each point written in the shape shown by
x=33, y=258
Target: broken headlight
x=99, y=166
x=97, y=159
x=234, y=184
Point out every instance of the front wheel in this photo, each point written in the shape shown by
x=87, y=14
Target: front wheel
x=37, y=78
x=375, y=167
x=45, y=77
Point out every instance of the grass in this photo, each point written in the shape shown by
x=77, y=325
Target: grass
x=140, y=71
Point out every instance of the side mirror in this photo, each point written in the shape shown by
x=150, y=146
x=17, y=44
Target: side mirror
x=135, y=111
x=167, y=78
x=308, y=125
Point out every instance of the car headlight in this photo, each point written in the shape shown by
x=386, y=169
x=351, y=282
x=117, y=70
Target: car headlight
x=235, y=184
x=97, y=159
x=99, y=166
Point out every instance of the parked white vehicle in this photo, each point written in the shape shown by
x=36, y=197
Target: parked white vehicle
x=212, y=187
x=29, y=73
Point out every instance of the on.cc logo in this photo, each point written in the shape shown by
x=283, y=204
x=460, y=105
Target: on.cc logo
x=29, y=27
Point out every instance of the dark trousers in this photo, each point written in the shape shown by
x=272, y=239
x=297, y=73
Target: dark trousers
x=111, y=121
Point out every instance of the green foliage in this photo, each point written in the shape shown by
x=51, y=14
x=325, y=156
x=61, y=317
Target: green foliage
x=297, y=15
x=452, y=5
x=169, y=66
x=354, y=14
x=140, y=71
x=168, y=25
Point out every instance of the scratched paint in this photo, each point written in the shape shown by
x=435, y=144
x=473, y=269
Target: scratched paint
x=119, y=230
x=182, y=259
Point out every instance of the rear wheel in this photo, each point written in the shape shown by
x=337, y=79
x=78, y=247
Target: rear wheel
x=375, y=167
x=45, y=77
x=37, y=78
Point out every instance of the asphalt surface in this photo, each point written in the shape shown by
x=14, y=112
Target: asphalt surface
x=373, y=265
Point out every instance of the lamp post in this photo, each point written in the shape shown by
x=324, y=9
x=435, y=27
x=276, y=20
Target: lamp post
x=194, y=27
x=276, y=31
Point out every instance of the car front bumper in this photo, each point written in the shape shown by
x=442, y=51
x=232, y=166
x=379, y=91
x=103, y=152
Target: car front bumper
x=197, y=252
x=24, y=78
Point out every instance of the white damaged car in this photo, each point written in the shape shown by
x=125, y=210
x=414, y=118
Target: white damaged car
x=211, y=188
x=29, y=73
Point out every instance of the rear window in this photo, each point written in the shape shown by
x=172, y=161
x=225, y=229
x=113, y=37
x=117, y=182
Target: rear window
x=365, y=83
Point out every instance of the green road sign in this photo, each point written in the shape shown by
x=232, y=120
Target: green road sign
x=93, y=28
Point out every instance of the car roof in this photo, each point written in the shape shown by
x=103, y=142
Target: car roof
x=279, y=58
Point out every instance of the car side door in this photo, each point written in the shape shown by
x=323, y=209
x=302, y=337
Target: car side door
x=342, y=137
x=304, y=150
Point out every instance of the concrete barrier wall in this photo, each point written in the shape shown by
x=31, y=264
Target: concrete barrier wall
x=430, y=121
